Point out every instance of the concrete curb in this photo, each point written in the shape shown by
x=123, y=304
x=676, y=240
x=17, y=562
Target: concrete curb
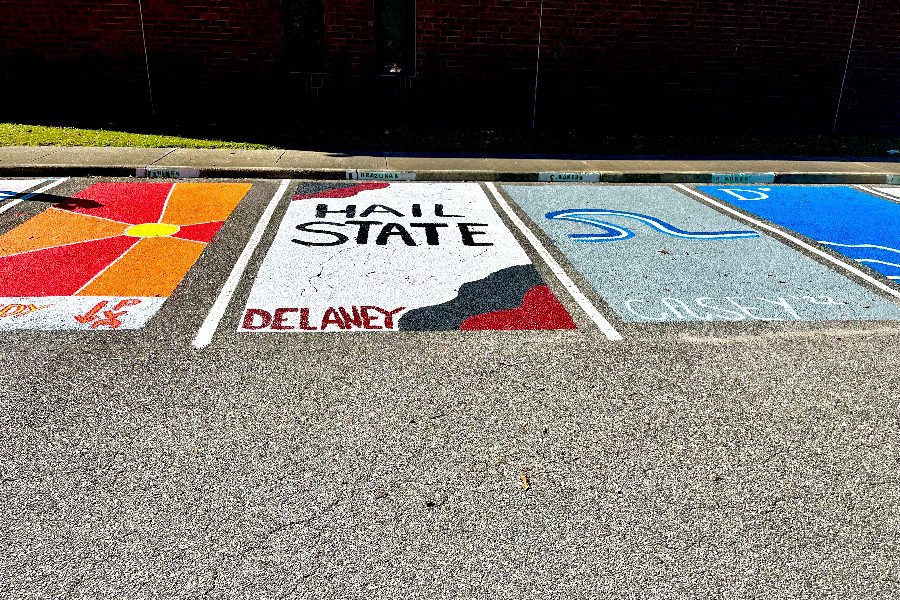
x=68, y=170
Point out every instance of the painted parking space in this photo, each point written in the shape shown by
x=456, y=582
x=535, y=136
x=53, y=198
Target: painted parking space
x=653, y=254
x=860, y=226
x=397, y=256
x=11, y=187
x=108, y=256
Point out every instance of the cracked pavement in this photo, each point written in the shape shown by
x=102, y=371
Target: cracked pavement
x=758, y=467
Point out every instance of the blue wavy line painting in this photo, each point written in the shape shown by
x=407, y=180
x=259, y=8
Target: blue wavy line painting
x=615, y=232
x=872, y=255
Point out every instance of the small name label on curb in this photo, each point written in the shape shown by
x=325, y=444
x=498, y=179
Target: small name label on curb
x=168, y=173
x=586, y=177
x=743, y=178
x=893, y=179
x=380, y=175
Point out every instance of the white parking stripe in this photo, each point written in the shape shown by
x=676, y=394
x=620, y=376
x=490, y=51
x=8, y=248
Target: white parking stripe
x=6, y=207
x=876, y=192
x=208, y=329
x=585, y=304
x=162, y=213
x=864, y=276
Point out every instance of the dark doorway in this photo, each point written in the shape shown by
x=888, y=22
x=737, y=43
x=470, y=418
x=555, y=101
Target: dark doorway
x=395, y=37
x=303, y=28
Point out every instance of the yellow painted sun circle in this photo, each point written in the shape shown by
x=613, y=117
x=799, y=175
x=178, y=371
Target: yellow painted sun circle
x=146, y=230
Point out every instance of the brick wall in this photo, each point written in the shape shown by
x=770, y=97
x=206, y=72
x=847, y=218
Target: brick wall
x=765, y=64
x=209, y=55
x=214, y=56
x=754, y=63
x=871, y=99
x=44, y=50
x=477, y=59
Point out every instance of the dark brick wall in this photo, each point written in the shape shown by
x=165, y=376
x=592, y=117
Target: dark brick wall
x=45, y=42
x=764, y=64
x=477, y=58
x=217, y=56
x=871, y=99
x=212, y=56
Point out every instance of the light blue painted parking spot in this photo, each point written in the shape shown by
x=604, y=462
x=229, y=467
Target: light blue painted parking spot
x=860, y=226
x=654, y=254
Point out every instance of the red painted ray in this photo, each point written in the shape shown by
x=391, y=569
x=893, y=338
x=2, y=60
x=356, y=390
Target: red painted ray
x=201, y=232
x=59, y=271
x=133, y=203
x=540, y=310
x=346, y=192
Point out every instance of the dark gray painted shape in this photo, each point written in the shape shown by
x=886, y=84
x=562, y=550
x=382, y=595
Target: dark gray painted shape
x=503, y=290
x=307, y=188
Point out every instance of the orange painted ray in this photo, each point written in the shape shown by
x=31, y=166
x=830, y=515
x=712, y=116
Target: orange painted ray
x=192, y=203
x=57, y=228
x=153, y=267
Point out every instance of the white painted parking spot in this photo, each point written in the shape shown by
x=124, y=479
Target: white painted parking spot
x=398, y=256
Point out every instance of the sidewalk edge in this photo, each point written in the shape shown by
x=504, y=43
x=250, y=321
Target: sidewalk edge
x=434, y=175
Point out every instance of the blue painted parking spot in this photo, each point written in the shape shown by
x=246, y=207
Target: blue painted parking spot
x=860, y=226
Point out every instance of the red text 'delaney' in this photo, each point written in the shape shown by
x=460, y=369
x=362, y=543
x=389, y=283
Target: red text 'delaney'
x=340, y=318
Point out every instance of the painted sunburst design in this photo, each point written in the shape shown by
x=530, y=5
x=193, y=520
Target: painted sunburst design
x=115, y=240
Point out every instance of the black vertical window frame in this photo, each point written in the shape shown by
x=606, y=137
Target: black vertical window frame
x=395, y=37
x=303, y=33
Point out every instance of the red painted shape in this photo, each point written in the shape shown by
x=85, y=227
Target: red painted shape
x=111, y=319
x=250, y=319
x=540, y=310
x=91, y=314
x=134, y=203
x=201, y=232
x=346, y=192
x=59, y=271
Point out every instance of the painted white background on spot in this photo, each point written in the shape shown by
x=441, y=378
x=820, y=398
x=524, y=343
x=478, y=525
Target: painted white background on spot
x=62, y=310
x=41, y=190
x=390, y=276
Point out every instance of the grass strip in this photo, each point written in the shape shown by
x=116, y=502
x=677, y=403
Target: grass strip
x=15, y=134
x=444, y=140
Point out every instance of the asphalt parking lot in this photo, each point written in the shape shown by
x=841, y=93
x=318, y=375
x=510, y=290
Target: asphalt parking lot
x=591, y=390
